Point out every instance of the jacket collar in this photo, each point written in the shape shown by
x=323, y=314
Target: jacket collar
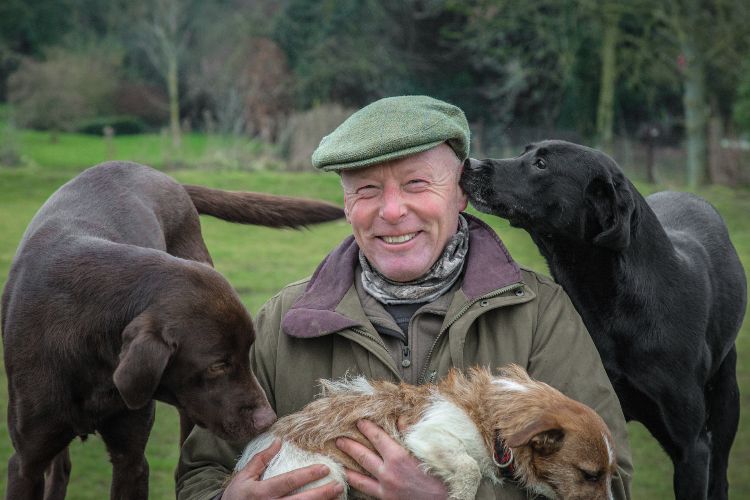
x=489, y=267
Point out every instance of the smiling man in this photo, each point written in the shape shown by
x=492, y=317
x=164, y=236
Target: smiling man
x=418, y=288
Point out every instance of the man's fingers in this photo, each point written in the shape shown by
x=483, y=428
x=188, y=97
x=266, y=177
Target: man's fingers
x=286, y=483
x=363, y=483
x=402, y=424
x=325, y=492
x=259, y=462
x=381, y=440
x=364, y=456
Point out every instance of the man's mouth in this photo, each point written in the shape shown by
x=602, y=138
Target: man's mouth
x=395, y=240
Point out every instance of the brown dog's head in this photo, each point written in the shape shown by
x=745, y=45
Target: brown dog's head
x=556, y=189
x=190, y=348
x=562, y=448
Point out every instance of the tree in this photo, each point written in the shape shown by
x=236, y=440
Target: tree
x=605, y=111
x=346, y=51
x=712, y=38
x=164, y=38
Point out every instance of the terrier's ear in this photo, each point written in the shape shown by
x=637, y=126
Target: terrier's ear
x=543, y=434
x=548, y=442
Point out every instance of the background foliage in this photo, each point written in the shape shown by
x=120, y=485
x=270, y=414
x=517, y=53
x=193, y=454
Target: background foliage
x=237, y=93
x=640, y=74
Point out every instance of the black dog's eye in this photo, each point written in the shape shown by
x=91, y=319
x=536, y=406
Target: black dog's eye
x=591, y=477
x=540, y=163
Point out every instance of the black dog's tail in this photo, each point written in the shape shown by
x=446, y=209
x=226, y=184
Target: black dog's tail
x=260, y=208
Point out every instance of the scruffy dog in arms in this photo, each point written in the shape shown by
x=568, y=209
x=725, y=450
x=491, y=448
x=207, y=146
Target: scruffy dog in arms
x=466, y=427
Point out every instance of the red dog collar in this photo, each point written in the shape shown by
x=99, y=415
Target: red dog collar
x=503, y=458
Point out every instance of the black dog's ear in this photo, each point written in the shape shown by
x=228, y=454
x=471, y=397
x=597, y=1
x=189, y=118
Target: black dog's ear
x=143, y=357
x=612, y=204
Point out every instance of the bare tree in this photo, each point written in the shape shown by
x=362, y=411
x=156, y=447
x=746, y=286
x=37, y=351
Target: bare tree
x=164, y=38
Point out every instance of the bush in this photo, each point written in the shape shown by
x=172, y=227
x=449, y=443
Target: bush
x=64, y=89
x=122, y=125
x=303, y=133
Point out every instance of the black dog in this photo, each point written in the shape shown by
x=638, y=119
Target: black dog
x=111, y=302
x=657, y=283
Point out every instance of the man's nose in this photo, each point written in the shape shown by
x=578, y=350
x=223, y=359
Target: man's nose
x=393, y=207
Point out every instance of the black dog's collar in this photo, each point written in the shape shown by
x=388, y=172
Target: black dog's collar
x=503, y=458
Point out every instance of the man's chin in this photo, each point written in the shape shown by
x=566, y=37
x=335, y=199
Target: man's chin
x=401, y=274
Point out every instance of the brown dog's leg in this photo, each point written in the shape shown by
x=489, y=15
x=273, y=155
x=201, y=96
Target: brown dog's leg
x=125, y=436
x=40, y=443
x=23, y=486
x=57, y=476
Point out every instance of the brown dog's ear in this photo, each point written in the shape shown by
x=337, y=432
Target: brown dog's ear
x=143, y=357
x=544, y=435
x=613, y=206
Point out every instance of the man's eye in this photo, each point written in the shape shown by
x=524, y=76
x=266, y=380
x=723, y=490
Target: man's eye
x=416, y=183
x=368, y=190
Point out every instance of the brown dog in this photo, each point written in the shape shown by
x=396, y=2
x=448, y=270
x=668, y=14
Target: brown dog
x=111, y=302
x=462, y=429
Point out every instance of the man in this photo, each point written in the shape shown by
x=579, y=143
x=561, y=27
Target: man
x=420, y=287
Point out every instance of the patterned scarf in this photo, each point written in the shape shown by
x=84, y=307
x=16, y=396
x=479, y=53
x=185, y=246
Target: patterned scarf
x=441, y=276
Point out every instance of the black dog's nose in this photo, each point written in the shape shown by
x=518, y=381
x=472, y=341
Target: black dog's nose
x=472, y=164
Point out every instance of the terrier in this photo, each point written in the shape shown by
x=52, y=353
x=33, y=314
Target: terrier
x=464, y=428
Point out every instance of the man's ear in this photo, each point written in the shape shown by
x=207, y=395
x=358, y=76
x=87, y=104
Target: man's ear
x=543, y=434
x=611, y=205
x=143, y=357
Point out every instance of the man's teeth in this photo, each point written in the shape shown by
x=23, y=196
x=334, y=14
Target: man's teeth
x=399, y=239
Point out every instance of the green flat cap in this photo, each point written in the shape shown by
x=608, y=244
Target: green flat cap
x=392, y=128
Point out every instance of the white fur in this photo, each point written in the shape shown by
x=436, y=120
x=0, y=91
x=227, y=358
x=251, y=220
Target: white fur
x=610, y=450
x=356, y=385
x=289, y=458
x=510, y=385
x=611, y=454
x=450, y=445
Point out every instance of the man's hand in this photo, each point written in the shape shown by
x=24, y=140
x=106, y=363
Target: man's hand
x=395, y=472
x=246, y=484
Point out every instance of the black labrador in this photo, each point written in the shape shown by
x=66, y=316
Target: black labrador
x=112, y=302
x=657, y=282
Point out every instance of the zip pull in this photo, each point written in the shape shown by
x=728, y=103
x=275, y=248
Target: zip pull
x=405, y=353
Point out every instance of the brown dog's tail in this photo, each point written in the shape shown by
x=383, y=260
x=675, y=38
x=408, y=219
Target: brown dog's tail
x=261, y=209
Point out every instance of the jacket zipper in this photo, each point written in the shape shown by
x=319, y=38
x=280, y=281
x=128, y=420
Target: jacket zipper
x=499, y=291
x=377, y=339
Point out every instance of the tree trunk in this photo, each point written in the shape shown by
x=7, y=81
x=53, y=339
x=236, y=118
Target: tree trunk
x=605, y=108
x=174, y=102
x=694, y=100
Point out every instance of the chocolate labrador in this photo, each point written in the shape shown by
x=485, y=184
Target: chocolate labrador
x=657, y=282
x=112, y=302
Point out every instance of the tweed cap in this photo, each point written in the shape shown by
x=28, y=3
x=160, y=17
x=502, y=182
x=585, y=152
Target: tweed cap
x=392, y=128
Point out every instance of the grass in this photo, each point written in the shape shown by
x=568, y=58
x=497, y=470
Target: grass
x=259, y=261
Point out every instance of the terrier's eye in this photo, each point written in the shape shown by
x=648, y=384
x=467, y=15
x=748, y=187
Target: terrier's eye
x=591, y=477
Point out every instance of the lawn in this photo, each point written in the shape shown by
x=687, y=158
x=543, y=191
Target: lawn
x=259, y=261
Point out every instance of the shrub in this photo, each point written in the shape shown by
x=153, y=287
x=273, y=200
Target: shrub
x=64, y=89
x=122, y=125
x=304, y=130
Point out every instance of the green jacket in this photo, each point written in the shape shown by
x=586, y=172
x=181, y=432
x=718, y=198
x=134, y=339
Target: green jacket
x=501, y=314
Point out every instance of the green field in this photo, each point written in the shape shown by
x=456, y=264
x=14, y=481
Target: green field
x=259, y=261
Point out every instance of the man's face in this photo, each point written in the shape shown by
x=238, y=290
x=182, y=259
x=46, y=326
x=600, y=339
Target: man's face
x=404, y=212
